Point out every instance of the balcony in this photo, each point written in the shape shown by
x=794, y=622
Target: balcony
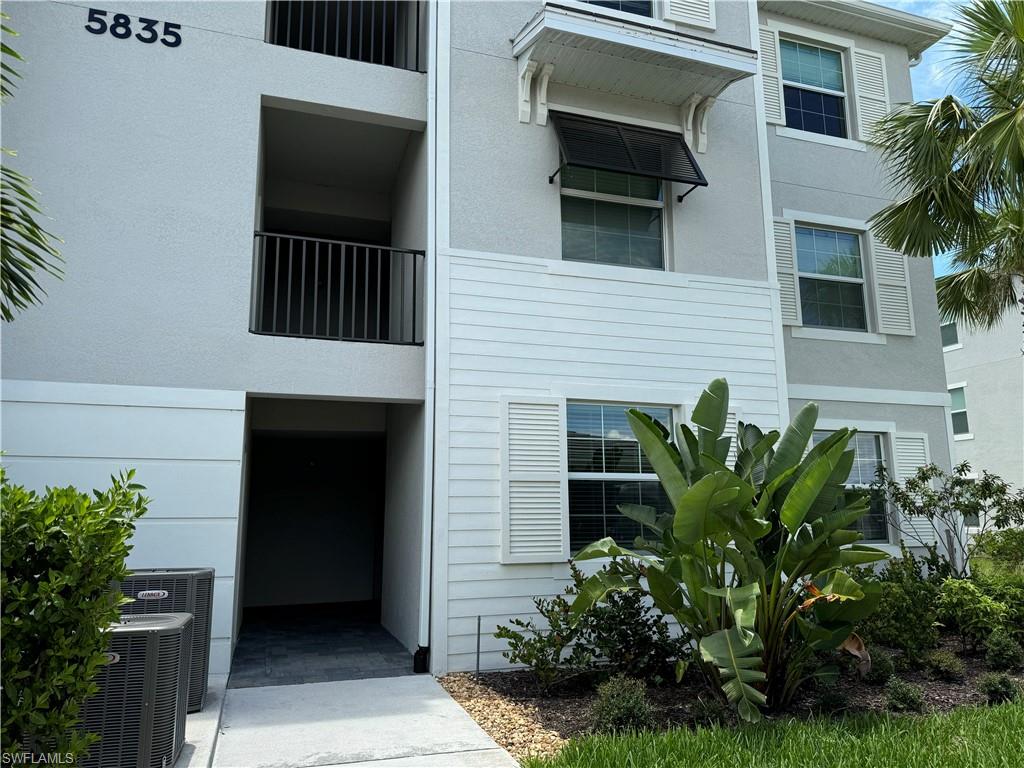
x=391, y=33
x=330, y=289
x=593, y=50
x=338, y=251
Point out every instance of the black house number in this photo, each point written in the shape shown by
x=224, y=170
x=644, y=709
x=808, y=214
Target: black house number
x=120, y=26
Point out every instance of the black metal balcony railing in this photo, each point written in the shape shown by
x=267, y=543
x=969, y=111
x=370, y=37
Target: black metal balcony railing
x=331, y=289
x=386, y=32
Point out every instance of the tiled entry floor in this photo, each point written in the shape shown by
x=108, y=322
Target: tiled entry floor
x=317, y=646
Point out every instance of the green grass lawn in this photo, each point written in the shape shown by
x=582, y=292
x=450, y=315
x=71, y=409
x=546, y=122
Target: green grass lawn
x=967, y=738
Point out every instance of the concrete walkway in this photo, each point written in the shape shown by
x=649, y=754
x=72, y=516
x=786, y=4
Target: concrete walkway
x=395, y=722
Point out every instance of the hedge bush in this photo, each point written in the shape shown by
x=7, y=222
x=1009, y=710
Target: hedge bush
x=621, y=705
x=61, y=551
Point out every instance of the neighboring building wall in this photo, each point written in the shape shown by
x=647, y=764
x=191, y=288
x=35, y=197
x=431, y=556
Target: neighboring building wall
x=990, y=366
x=186, y=448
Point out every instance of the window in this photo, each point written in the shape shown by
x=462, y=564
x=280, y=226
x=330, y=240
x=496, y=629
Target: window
x=959, y=412
x=607, y=468
x=639, y=7
x=831, y=278
x=868, y=458
x=950, y=336
x=612, y=218
x=812, y=83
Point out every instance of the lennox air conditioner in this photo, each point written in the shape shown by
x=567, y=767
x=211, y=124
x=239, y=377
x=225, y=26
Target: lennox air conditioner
x=178, y=590
x=139, y=710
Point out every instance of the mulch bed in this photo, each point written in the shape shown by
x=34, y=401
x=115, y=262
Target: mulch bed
x=510, y=707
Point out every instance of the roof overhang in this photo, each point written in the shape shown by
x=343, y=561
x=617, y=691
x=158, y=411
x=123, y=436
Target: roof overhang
x=913, y=32
x=588, y=49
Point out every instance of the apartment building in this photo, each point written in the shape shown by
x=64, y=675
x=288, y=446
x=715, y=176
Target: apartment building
x=985, y=376
x=361, y=289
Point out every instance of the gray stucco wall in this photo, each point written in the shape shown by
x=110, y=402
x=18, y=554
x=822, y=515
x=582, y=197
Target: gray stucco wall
x=500, y=197
x=827, y=180
x=146, y=157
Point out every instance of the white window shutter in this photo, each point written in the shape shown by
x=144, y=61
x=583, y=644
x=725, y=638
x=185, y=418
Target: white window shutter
x=535, y=503
x=893, y=304
x=731, y=424
x=700, y=13
x=870, y=89
x=771, y=76
x=785, y=264
x=911, y=449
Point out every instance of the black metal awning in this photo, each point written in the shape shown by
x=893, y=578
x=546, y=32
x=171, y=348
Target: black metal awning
x=608, y=146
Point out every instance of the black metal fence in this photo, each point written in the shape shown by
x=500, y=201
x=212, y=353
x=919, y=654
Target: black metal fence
x=388, y=32
x=331, y=289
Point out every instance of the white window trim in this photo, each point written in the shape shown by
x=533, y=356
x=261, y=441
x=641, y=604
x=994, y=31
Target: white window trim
x=819, y=138
x=653, y=20
x=625, y=200
x=819, y=41
x=837, y=334
x=949, y=389
x=638, y=477
x=887, y=430
x=957, y=344
x=862, y=280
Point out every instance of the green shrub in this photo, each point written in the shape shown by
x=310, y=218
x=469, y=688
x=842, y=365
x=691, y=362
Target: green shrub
x=621, y=636
x=621, y=705
x=905, y=619
x=944, y=665
x=1008, y=589
x=552, y=651
x=61, y=551
x=998, y=688
x=967, y=611
x=901, y=696
x=882, y=668
x=831, y=696
x=709, y=711
x=1002, y=652
x=628, y=636
x=1005, y=548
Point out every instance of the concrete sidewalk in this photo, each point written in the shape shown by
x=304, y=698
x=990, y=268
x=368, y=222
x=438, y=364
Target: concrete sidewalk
x=397, y=722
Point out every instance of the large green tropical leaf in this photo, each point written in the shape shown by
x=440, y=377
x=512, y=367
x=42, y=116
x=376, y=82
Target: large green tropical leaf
x=596, y=587
x=794, y=442
x=809, y=485
x=742, y=604
x=662, y=454
x=738, y=661
x=696, y=514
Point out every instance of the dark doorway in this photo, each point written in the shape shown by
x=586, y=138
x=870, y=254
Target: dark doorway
x=313, y=560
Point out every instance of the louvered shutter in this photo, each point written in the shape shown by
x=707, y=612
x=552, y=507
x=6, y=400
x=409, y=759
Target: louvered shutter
x=870, y=89
x=697, y=12
x=911, y=449
x=771, y=76
x=785, y=264
x=535, y=513
x=891, y=275
x=731, y=423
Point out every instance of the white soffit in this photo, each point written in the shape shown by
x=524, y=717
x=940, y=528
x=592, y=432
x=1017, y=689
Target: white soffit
x=915, y=33
x=602, y=53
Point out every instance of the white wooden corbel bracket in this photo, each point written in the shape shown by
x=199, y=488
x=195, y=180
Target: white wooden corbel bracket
x=542, y=93
x=526, y=70
x=701, y=123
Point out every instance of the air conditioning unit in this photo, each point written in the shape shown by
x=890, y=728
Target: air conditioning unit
x=178, y=590
x=139, y=710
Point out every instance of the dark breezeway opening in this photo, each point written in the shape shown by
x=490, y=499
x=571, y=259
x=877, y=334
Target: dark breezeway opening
x=313, y=554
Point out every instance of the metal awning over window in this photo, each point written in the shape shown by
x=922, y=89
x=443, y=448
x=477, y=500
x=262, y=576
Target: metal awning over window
x=607, y=146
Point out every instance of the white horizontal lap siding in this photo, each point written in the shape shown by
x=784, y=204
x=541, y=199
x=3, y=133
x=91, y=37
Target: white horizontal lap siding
x=186, y=448
x=528, y=331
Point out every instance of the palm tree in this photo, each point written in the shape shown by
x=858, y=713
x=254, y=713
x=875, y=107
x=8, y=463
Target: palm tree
x=958, y=164
x=26, y=248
